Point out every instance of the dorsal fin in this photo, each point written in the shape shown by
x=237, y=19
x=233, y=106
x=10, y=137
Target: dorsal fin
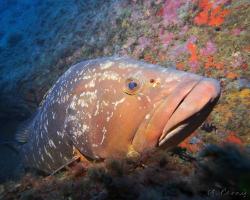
x=24, y=130
x=22, y=134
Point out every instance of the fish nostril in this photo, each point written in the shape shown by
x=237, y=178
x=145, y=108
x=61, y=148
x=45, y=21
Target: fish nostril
x=152, y=80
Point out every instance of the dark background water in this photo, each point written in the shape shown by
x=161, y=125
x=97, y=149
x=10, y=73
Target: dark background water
x=16, y=18
x=25, y=31
x=35, y=38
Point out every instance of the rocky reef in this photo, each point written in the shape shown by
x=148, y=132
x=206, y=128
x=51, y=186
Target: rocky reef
x=165, y=175
x=39, y=40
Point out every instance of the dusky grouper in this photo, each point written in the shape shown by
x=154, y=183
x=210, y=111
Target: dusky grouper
x=115, y=107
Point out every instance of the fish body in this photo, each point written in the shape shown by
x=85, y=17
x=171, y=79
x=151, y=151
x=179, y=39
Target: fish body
x=112, y=107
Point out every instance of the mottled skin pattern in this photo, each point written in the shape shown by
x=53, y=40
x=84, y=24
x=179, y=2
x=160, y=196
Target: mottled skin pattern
x=92, y=108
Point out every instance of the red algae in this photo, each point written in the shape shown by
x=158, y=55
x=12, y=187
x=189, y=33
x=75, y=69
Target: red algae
x=180, y=65
x=193, y=58
x=160, y=12
x=193, y=52
x=232, y=75
x=149, y=58
x=233, y=138
x=211, y=14
x=203, y=16
x=190, y=146
x=211, y=63
x=217, y=16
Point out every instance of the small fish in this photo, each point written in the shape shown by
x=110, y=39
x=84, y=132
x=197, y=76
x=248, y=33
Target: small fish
x=115, y=107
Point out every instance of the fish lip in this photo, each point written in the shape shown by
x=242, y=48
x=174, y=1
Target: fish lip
x=184, y=123
x=180, y=125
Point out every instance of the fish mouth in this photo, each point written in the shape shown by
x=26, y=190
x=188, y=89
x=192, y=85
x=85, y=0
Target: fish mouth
x=190, y=112
x=178, y=114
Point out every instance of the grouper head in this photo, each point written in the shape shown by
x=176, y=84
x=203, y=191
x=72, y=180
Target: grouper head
x=126, y=106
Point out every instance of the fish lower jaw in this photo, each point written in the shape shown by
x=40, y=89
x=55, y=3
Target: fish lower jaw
x=192, y=110
x=166, y=136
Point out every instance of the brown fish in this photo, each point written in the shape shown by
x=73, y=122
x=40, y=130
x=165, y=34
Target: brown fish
x=116, y=107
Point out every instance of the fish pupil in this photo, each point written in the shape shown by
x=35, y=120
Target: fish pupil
x=132, y=85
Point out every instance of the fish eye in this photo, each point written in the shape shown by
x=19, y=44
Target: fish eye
x=132, y=86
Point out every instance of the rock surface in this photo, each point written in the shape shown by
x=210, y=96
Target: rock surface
x=39, y=40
